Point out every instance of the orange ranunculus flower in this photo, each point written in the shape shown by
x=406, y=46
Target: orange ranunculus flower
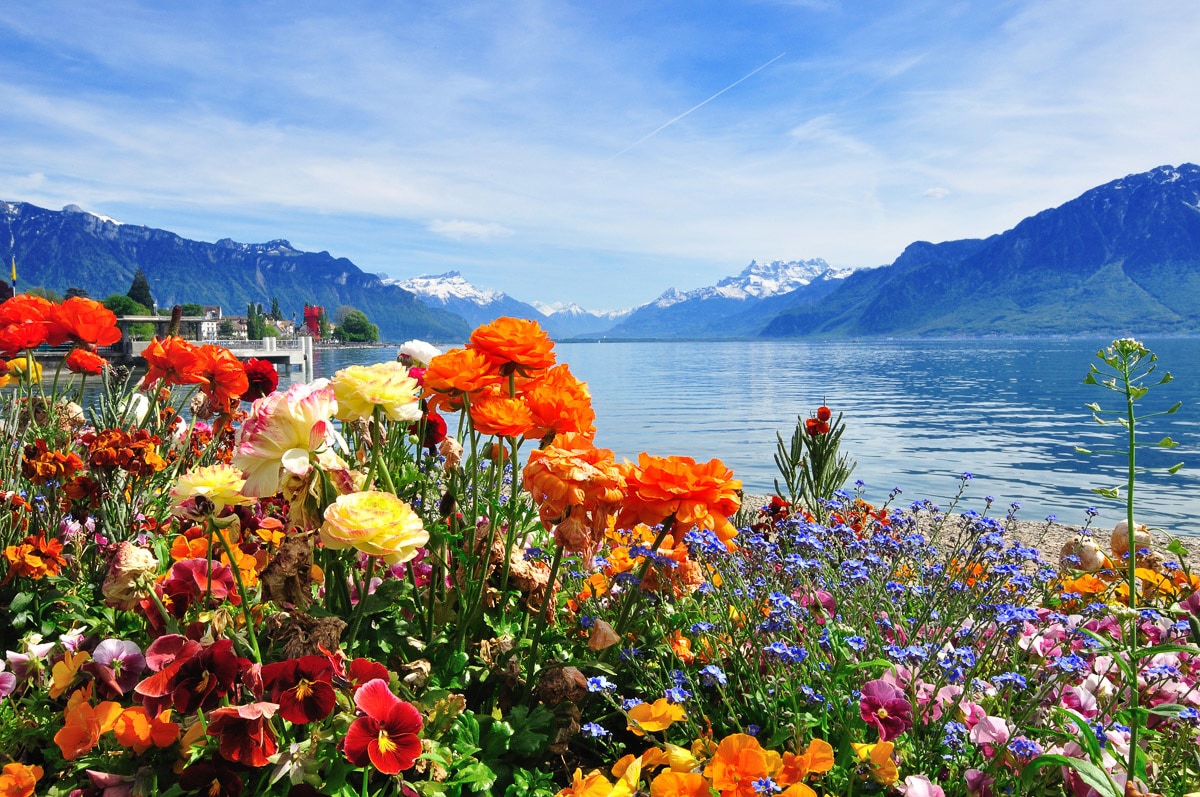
x=577, y=488
x=136, y=729
x=84, y=726
x=19, y=780
x=87, y=322
x=456, y=372
x=738, y=762
x=85, y=361
x=559, y=403
x=173, y=360
x=514, y=345
x=224, y=377
x=501, y=416
x=695, y=495
x=656, y=716
x=679, y=784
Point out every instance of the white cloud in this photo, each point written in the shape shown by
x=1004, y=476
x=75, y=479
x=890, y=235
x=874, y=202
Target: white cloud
x=937, y=192
x=460, y=230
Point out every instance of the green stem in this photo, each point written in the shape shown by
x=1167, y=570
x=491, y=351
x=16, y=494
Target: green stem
x=362, y=599
x=531, y=658
x=237, y=575
x=376, y=452
x=635, y=592
x=1131, y=578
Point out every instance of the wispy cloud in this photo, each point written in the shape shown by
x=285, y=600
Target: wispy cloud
x=351, y=128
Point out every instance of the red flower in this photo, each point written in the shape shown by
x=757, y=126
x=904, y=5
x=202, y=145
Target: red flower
x=19, y=336
x=263, y=379
x=83, y=361
x=885, y=706
x=223, y=378
x=245, y=733
x=302, y=687
x=816, y=427
x=211, y=779
x=173, y=360
x=435, y=430
x=387, y=735
x=87, y=322
x=824, y=414
x=198, y=679
x=364, y=670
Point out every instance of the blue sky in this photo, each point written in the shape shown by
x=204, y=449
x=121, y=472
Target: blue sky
x=590, y=152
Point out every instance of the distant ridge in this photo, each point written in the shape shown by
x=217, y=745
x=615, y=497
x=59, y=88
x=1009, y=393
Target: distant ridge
x=1121, y=258
x=73, y=248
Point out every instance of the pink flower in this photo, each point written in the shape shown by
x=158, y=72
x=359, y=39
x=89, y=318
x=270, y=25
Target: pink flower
x=886, y=707
x=978, y=784
x=990, y=732
x=920, y=786
x=281, y=432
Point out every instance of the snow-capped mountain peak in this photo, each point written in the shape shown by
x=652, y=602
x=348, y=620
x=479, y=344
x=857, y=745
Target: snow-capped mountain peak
x=448, y=286
x=572, y=310
x=758, y=280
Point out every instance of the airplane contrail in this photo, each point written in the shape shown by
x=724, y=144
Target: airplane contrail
x=697, y=106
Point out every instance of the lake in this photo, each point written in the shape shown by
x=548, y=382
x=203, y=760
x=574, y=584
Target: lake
x=918, y=413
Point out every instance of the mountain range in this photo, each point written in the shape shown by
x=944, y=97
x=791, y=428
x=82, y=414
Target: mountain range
x=1122, y=257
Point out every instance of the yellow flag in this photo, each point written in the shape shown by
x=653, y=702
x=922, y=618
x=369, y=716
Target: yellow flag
x=14, y=279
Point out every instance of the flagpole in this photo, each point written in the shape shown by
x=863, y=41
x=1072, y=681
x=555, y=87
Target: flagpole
x=14, y=274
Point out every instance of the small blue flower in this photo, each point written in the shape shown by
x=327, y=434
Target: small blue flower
x=600, y=684
x=712, y=675
x=677, y=695
x=766, y=786
x=594, y=730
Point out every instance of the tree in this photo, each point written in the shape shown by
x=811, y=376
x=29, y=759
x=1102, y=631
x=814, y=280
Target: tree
x=356, y=328
x=80, y=292
x=323, y=324
x=256, y=322
x=46, y=294
x=225, y=328
x=339, y=315
x=276, y=314
x=139, y=291
x=191, y=308
x=123, y=305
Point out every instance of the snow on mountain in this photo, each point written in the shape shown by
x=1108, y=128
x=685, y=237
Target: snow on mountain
x=447, y=287
x=757, y=281
x=572, y=310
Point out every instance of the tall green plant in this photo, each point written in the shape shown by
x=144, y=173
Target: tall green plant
x=812, y=467
x=1127, y=371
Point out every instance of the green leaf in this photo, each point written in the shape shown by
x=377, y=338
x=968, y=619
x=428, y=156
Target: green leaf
x=1082, y=450
x=1176, y=547
x=1137, y=392
x=1175, y=408
x=1090, y=379
x=1167, y=442
x=1089, y=773
x=1094, y=407
x=1107, y=492
x=1175, y=468
x=20, y=601
x=1166, y=378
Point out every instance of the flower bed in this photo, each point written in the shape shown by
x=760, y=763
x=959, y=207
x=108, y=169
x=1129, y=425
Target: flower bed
x=213, y=587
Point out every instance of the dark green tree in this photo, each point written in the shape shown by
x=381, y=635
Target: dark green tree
x=323, y=326
x=80, y=292
x=356, y=328
x=123, y=305
x=276, y=314
x=139, y=291
x=256, y=323
x=191, y=308
x=225, y=328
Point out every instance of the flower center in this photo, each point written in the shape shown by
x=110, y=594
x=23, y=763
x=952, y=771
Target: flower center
x=881, y=712
x=386, y=745
x=303, y=689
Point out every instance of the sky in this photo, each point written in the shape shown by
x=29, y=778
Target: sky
x=599, y=153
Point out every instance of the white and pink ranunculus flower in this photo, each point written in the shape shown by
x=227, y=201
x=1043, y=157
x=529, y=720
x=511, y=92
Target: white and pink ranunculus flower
x=283, y=429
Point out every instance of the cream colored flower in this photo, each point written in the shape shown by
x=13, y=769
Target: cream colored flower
x=418, y=352
x=130, y=576
x=221, y=484
x=362, y=388
x=376, y=523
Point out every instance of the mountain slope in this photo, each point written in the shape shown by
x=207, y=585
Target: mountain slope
x=71, y=248
x=1122, y=257
x=735, y=307
x=452, y=292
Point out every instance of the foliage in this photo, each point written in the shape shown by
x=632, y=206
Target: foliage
x=812, y=467
x=356, y=328
x=210, y=586
x=139, y=290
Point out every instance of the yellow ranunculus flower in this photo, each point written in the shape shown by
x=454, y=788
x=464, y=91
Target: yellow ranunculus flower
x=376, y=523
x=362, y=388
x=222, y=484
x=19, y=367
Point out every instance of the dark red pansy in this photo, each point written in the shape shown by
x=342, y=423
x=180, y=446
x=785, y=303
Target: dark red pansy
x=302, y=687
x=199, y=680
x=211, y=779
x=244, y=733
x=387, y=736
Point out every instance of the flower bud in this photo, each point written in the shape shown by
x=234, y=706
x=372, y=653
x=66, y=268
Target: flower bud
x=130, y=578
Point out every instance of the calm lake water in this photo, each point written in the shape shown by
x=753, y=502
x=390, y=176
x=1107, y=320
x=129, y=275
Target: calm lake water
x=918, y=414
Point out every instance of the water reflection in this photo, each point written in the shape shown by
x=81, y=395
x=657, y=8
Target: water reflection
x=918, y=414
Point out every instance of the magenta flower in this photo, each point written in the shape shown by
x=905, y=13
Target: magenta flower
x=885, y=706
